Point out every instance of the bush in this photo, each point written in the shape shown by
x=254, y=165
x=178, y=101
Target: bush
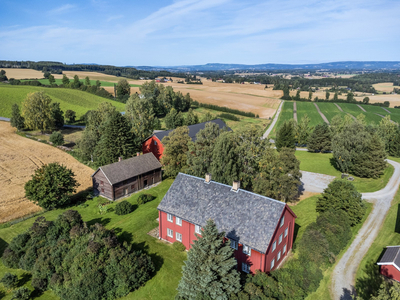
x=144, y=198
x=124, y=208
x=57, y=138
x=228, y=117
x=23, y=293
x=9, y=280
x=178, y=246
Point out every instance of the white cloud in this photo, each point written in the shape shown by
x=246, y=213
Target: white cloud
x=62, y=9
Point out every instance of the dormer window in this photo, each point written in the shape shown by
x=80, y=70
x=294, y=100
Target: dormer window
x=246, y=250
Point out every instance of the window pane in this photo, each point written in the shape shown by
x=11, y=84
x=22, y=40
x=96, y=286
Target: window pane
x=282, y=221
x=272, y=263
x=286, y=231
x=280, y=238
x=274, y=246
x=284, y=249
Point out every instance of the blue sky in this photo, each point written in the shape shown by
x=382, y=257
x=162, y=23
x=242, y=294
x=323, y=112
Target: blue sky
x=187, y=32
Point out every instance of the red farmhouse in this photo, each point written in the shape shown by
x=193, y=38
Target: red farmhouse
x=154, y=144
x=260, y=229
x=390, y=263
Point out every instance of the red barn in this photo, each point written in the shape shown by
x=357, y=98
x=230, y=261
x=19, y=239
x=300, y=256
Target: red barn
x=260, y=229
x=390, y=263
x=154, y=142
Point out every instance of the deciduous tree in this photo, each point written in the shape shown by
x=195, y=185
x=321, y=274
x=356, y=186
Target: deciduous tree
x=17, y=120
x=70, y=115
x=37, y=111
x=65, y=80
x=123, y=89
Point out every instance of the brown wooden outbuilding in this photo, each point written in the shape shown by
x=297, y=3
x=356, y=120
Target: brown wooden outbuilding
x=127, y=176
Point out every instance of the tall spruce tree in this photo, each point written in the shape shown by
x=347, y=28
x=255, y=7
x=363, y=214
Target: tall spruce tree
x=302, y=130
x=17, y=120
x=210, y=269
x=320, y=139
x=117, y=140
x=285, y=136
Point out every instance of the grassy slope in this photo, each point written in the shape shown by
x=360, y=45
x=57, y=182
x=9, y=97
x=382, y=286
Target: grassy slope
x=78, y=101
x=322, y=163
x=133, y=228
x=330, y=110
x=92, y=82
x=285, y=115
x=311, y=111
x=355, y=111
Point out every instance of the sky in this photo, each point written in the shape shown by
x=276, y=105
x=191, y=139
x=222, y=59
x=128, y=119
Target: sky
x=190, y=32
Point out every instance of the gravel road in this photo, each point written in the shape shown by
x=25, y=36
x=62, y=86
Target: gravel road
x=266, y=133
x=343, y=277
x=315, y=182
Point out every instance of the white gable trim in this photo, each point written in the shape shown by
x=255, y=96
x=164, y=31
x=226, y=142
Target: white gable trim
x=103, y=174
x=389, y=264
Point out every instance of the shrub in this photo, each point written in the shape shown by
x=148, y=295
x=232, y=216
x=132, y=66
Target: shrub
x=228, y=117
x=124, y=208
x=23, y=293
x=144, y=198
x=178, y=246
x=9, y=280
x=57, y=138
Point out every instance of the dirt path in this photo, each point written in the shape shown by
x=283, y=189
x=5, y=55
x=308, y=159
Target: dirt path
x=266, y=133
x=295, y=111
x=388, y=111
x=337, y=105
x=321, y=114
x=19, y=158
x=343, y=276
x=362, y=108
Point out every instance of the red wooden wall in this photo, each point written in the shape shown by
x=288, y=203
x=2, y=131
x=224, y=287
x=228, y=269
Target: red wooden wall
x=150, y=146
x=391, y=272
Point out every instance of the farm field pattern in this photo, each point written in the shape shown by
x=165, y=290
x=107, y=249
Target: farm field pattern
x=309, y=108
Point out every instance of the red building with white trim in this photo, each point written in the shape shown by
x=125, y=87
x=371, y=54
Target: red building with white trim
x=260, y=229
x=390, y=263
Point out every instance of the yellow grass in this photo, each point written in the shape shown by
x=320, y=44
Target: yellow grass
x=19, y=158
x=385, y=87
x=22, y=73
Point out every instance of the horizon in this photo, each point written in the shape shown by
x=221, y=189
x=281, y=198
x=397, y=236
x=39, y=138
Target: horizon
x=193, y=32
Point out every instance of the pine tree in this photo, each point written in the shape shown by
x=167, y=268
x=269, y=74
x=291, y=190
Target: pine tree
x=210, y=269
x=335, y=97
x=116, y=140
x=327, y=95
x=17, y=120
x=302, y=130
x=320, y=139
x=285, y=136
x=394, y=144
x=170, y=119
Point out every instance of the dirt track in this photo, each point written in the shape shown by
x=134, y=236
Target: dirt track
x=19, y=157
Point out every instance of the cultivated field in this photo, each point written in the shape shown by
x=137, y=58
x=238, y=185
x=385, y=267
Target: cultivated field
x=19, y=157
x=22, y=73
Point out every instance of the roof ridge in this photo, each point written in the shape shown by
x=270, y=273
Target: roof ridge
x=242, y=190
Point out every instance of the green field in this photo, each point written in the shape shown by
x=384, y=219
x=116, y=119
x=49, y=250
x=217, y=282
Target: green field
x=285, y=115
x=330, y=110
x=354, y=110
x=92, y=82
x=311, y=111
x=394, y=115
x=76, y=100
x=323, y=163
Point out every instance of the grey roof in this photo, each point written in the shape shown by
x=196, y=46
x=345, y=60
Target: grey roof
x=193, y=129
x=391, y=256
x=246, y=217
x=130, y=167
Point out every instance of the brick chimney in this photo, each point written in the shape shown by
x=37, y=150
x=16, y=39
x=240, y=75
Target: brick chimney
x=120, y=158
x=236, y=185
x=208, y=178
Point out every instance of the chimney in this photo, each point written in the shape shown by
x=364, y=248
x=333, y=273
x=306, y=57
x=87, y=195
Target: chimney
x=137, y=153
x=236, y=185
x=208, y=177
x=120, y=158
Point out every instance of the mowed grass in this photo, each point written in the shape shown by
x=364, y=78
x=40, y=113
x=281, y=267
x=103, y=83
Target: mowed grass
x=92, y=82
x=330, y=110
x=76, y=100
x=285, y=115
x=132, y=228
x=323, y=163
x=354, y=110
x=308, y=108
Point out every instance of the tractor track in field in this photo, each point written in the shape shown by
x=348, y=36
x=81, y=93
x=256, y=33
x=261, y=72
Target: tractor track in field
x=321, y=114
x=295, y=111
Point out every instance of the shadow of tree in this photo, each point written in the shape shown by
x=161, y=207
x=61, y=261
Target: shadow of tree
x=333, y=163
x=295, y=232
x=370, y=283
x=25, y=278
x=3, y=246
x=155, y=258
x=123, y=236
x=36, y=293
x=397, y=227
x=348, y=294
x=80, y=197
x=2, y=294
x=102, y=221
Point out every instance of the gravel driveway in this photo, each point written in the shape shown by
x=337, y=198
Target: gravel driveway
x=343, y=277
x=265, y=135
x=315, y=182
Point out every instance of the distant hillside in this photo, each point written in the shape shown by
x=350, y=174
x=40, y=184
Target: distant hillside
x=332, y=66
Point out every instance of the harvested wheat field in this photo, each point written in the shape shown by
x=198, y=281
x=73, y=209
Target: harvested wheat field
x=22, y=73
x=19, y=157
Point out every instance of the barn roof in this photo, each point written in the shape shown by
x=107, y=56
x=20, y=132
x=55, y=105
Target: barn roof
x=193, y=129
x=130, y=167
x=246, y=217
x=391, y=257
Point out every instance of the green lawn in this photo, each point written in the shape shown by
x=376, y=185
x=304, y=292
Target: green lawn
x=311, y=111
x=330, y=110
x=92, y=82
x=323, y=163
x=389, y=235
x=133, y=228
x=76, y=100
x=285, y=115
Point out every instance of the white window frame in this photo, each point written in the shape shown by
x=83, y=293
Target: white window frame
x=284, y=249
x=246, y=250
x=178, y=237
x=245, y=268
x=286, y=231
x=273, y=246
x=282, y=221
x=170, y=218
x=178, y=221
x=280, y=239
x=272, y=264
x=278, y=257
x=197, y=229
x=234, y=244
x=170, y=231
